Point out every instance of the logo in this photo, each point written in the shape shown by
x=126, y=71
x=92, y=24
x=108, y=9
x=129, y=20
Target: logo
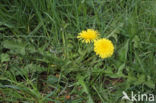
x=138, y=97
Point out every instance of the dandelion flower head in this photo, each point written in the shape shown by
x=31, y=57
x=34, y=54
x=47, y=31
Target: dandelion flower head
x=88, y=36
x=104, y=48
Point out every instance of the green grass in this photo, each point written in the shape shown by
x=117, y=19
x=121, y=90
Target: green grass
x=43, y=62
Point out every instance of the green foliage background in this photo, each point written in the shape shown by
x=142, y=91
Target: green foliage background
x=41, y=60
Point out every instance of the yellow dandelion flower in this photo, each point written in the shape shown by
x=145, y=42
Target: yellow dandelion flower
x=104, y=48
x=88, y=35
